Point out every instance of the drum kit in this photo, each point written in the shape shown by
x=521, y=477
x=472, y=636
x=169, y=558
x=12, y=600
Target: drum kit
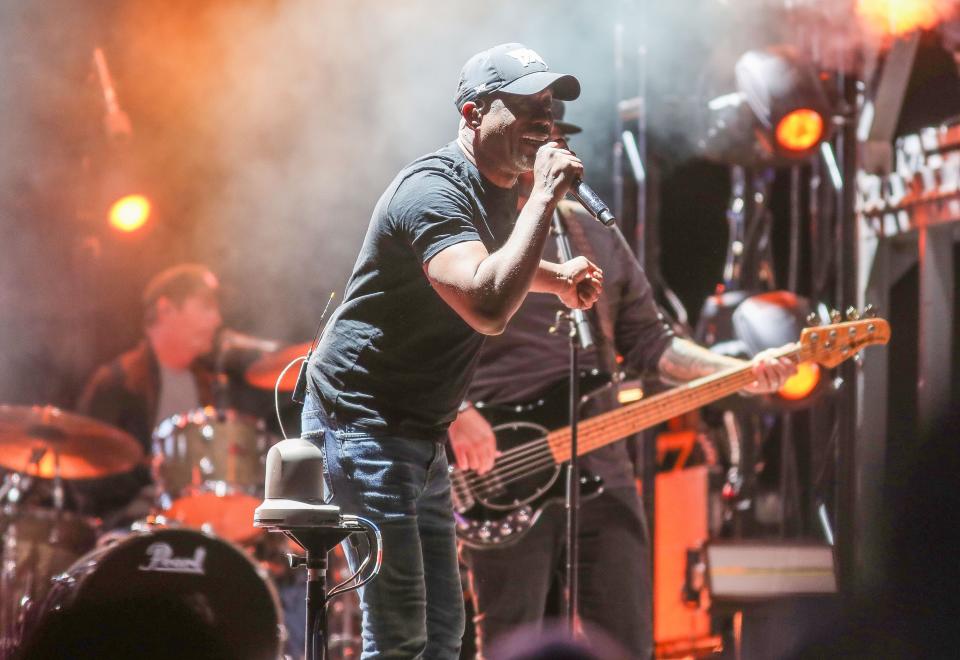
x=194, y=554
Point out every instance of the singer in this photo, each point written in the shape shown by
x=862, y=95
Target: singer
x=445, y=261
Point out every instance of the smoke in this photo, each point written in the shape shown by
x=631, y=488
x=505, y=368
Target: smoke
x=276, y=126
x=265, y=130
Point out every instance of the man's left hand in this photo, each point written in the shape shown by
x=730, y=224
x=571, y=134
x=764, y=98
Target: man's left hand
x=771, y=372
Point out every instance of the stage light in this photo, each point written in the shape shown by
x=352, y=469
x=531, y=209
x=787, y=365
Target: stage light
x=800, y=130
x=741, y=325
x=772, y=110
x=801, y=384
x=897, y=17
x=130, y=213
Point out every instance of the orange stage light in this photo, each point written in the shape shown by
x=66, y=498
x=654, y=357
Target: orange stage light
x=130, y=212
x=896, y=17
x=46, y=468
x=800, y=130
x=802, y=383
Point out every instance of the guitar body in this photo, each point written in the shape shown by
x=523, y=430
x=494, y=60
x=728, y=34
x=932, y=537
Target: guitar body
x=496, y=509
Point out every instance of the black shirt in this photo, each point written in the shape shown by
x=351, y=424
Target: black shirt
x=525, y=361
x=396, y=359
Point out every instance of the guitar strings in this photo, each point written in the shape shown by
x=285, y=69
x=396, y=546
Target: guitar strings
x=531, y=458
x=509, y=477
x=518, y=453
x=527, y=455
x=530, y=455
x=528, y=458
x=511, y=470
x=502, y=475
x=491, y=480
x=521, y=454
x=485, y=485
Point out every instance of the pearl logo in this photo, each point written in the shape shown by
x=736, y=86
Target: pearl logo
x=162, y=560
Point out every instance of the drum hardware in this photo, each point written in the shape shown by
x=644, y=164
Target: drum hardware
x=15, y=486
x=37, y=544
x=294, y=505
x=44, y=442
x=208, y=466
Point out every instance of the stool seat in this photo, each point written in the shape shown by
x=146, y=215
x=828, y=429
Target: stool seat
x=282, y=513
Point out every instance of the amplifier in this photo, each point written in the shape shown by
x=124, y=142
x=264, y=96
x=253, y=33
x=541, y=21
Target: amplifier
x=753, y=570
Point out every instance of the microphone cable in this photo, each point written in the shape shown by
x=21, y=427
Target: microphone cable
x=304, y=359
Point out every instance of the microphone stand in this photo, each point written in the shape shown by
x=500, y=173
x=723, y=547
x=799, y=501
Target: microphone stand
x=580, y=337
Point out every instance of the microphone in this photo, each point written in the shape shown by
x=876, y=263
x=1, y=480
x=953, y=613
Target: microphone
x=592, y=203
x=234, y=339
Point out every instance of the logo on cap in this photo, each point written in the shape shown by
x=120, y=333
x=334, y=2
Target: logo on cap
x=526, y=56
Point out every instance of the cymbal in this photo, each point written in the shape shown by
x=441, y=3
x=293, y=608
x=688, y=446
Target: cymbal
x=33, y=438
x=264, y=372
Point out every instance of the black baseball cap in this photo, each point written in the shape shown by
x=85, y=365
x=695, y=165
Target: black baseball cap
x=515, y=69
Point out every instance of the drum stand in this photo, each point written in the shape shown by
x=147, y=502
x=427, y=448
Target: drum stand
x=294, y=506
x=14, y=488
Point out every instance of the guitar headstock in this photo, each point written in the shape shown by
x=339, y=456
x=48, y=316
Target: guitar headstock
x=830, y=345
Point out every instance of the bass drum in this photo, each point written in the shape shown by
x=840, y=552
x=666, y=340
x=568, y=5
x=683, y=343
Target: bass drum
x=171, y=593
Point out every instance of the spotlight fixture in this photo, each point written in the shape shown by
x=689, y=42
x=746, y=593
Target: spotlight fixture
x=776, y=114
x=127, y=209
x=741, y=325
x=130, y=213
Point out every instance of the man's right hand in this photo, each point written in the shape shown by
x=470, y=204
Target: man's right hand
x=554, y=171
x=473, y=442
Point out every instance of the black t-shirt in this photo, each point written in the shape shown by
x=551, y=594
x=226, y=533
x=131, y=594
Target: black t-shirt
x=395, y=358
x=524, y=362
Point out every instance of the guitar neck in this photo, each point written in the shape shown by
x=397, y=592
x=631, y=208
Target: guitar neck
x=609, y=427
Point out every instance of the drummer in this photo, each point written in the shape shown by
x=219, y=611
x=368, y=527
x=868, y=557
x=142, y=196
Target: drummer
x=160, y=377
x=165, y=375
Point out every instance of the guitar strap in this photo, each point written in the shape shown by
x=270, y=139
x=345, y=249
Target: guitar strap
x=601, y=313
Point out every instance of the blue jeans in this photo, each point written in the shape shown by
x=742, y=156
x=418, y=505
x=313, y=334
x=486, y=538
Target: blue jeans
x=414, y=607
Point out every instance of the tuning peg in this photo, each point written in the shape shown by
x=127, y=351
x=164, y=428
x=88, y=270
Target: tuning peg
x=813, y=319
x=853, y=314
x=835, y=316
x=869, y=312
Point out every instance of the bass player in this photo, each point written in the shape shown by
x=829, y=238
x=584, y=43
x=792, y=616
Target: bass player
x=510, y=585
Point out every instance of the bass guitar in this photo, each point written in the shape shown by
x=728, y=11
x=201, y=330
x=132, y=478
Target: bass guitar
x=496, y=508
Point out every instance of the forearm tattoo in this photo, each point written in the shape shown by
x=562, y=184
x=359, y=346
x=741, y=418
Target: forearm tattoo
x=685, y=361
